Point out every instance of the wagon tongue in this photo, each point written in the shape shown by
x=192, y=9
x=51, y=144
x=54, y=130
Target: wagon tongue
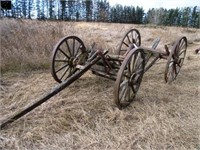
x=53, y=92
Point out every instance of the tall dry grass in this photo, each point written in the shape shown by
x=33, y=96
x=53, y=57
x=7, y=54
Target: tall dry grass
x=84, y=116
x=26, y=45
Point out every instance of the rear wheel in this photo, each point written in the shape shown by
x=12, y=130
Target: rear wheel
x=175, y=59
x=130, y=38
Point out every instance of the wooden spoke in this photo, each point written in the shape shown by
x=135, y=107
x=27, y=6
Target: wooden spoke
x=182, y=43
x=62, y=67
x=139, y=71
x=128, y=39
x=132, y=37
x=68, y=48
x=136, y=39
x=180, y=60
x=175, y=69
x=125, y=44
x=123, y=88
x=73, y=47
x=59, y=60
x=77, y=50
x=182, y=52
x=63, y=53
x=64, y=73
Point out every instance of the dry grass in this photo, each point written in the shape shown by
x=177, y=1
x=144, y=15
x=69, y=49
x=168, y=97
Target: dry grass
x=84, y=116
x=26, y=45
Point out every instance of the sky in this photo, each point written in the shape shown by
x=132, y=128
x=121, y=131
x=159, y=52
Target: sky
x=146, y=4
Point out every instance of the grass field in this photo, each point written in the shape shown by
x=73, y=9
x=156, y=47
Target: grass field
x=84, y=115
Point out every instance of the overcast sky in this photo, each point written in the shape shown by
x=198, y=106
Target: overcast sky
x=146, y=4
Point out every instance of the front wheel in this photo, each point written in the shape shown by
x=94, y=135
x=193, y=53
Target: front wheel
x=129, y=78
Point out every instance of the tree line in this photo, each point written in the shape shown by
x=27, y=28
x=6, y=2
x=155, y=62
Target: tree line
x=102, y=11
x=186, y=17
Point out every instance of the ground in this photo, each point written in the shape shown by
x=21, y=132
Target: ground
x=84, y=115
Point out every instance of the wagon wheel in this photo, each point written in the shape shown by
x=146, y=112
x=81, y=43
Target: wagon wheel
x=130, y=38
x=175, y=59
x=129, y=78
x=67, y=54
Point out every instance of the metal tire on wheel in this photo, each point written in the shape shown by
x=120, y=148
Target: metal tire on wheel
x=175, y=59
x=69, y=52
x=129, y=78
x=130, y=38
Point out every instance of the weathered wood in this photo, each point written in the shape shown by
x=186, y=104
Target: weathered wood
x=152, y=50
x=53, y=92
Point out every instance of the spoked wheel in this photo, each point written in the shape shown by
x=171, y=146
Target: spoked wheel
x=129, y=78
x=175, y=59
x=67, y=54
x=130, y=38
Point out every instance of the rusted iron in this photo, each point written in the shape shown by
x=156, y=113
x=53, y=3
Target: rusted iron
x=71, y=59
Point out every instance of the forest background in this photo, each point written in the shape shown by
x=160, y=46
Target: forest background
x=102, y=11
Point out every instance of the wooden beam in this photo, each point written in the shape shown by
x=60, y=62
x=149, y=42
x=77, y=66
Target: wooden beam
x=18, y=114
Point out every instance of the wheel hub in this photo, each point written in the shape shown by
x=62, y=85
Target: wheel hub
x=133, y=79
x=71, y=62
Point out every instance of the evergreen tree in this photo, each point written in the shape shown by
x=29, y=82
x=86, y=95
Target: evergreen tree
x=78, y=10
x=88, y=7
x=139, y=15
x=62, y=13
x=18, y=9
x=71, y=10
x=51, y=9
x=30, y=7
x=103, y=10
x=24, y=9
x=42, y=15
x=133, y=15
x=185, y=17
x=38, y=9
x=119, y=13
x=194, y=21
x=150, y=15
